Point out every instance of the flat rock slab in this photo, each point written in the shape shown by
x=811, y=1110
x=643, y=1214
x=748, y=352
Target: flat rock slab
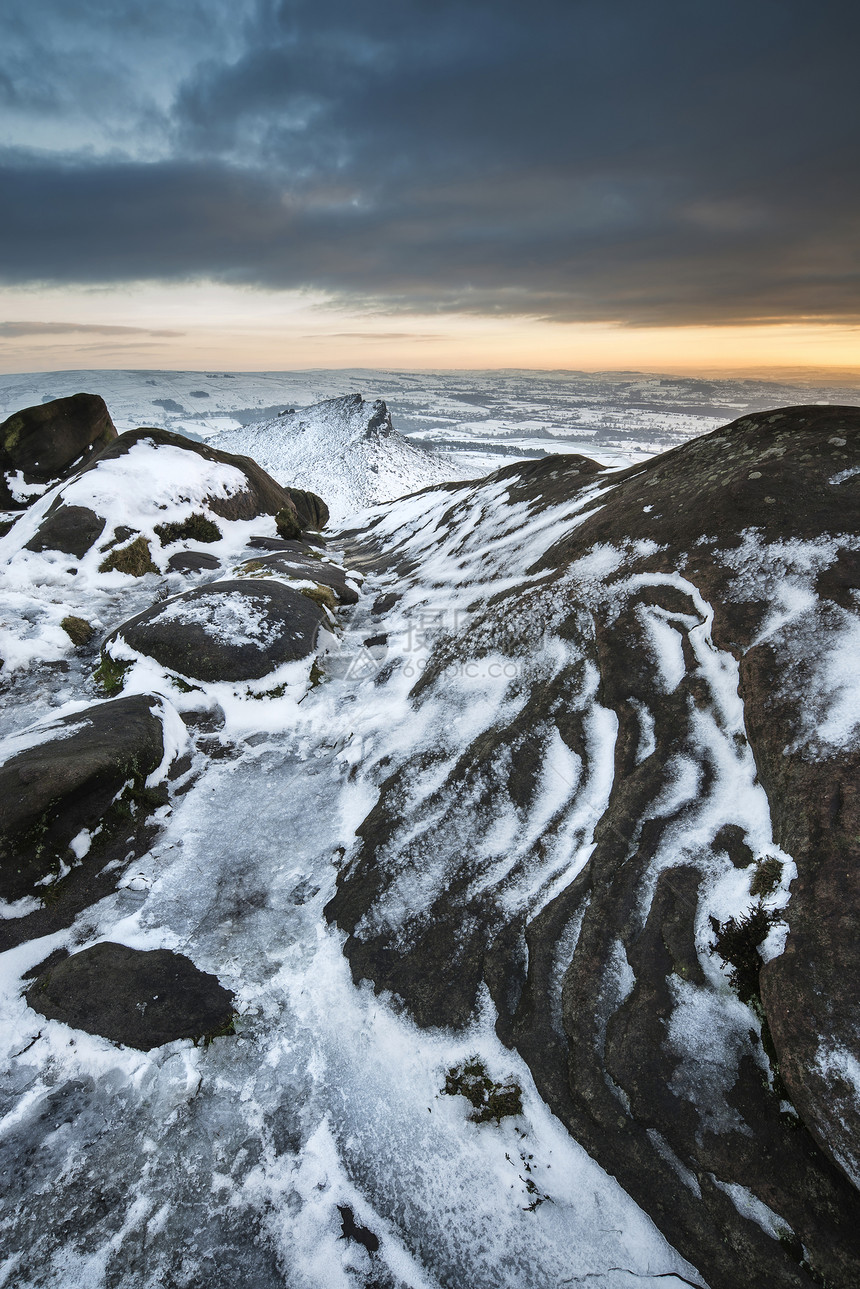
x=71, y=530
x=307, y=569
x=69, y=781
x=140, y=997
x=231, y=630
x=192, y=562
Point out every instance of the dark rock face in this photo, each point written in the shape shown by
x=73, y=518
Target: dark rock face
x=69, y=782
x=192, y=562
x=49, y=441
x=70, y=529
x=702, y=1106
x=141, y=998
x=311, y=509
x=261, y=496
x=231, y=630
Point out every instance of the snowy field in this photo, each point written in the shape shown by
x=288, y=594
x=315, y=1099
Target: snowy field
x=482, y=418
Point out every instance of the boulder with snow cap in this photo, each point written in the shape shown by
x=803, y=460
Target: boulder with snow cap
x=230, y=630
x=170, y=488
x=42, y=444
x=75, y=784
x=142, y=998
x=259, y=494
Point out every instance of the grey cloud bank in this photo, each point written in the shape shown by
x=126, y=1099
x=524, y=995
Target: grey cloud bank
x=659, y=164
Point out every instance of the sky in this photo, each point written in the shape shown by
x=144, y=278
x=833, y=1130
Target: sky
x=661, y=184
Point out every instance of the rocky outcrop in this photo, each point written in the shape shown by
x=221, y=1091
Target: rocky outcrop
x=261, y=495
x=80, y=784
x=40, y=445
x=311, y=509
x=141, y=998
x=602, y=856
x=77, y=518
x=231, y=630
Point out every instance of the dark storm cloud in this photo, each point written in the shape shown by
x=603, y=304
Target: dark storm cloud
x=659, y=163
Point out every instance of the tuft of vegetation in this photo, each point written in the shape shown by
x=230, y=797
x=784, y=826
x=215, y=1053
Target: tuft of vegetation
x=287, y=524
x=767, y=876
x=134, y=559
x=110, y=674
x=322, y=595
x=490, y=1101
x=277, y=691
x=196, y=528
x=736, y=942
x=317, y=675
x=79, y=631
x=227, y=1030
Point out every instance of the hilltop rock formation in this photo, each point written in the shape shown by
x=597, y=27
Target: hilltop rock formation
x=345, y=448
x=685, y=639
x=40, y=445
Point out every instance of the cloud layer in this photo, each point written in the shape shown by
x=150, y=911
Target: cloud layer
x=675, y=162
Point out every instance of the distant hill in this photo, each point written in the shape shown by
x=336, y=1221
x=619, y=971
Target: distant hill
x=345, y=449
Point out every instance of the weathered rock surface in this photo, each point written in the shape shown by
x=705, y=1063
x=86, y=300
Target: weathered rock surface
x=69, y=529
x=229, y=630
x=48, y=442
x=87, y=771
x=311, y=509
x=192, y=562
x=297, y=564
x=628, y=778
x=142, y=998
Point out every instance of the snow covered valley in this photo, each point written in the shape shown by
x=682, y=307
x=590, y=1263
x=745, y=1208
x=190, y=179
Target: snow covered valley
x=518, y=819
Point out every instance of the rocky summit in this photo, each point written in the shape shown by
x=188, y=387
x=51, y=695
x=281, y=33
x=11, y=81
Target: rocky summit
x=465, y=897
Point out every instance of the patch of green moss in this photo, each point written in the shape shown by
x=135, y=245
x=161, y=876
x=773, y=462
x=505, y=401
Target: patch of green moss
x=79, y=631
x=490, y=1101
x=767, y=876
x=736, y=942
x=287, y=524
x=183, y=686
x=317, y=675
x=134, y=559
x=12, y=433
x=196, y=528
x=110, y=674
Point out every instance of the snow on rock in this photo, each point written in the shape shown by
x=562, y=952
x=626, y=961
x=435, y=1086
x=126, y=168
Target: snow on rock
x=344, y=449
x=576, y=727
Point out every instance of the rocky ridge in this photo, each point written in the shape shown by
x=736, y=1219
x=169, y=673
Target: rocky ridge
x=599, y=734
